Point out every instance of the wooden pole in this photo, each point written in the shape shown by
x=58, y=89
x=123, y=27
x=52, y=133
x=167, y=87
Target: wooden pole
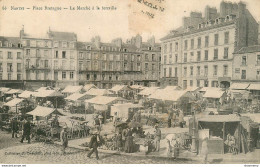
x=224, y=137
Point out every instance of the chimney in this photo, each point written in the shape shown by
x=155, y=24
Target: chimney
x=138, y=41
x=22, y=32
x=96, y=41
x=117, y=42
x=151, y=41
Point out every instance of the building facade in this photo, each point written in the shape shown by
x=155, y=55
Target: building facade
x=200, y=53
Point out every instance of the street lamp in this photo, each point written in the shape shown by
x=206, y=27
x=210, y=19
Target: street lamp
x=193, y=145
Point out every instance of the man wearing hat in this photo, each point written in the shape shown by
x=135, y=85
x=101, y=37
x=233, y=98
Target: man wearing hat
x=14, y=127
x=94, y=144
x=26, y=131
x=157, y=138
x=64, y=138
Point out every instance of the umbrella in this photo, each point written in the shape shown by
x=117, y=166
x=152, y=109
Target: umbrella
x=134, y=124
x=121, y=124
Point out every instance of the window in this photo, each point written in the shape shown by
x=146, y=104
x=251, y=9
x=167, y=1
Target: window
x=165, y=59
x=147, y=58
x=46, y=53
x=175, y=72
x=28, y=52
x=170, y=72
x=164, y=72
x=64, y=54
x=64, y=44
x=199, y=42
x=19, y=67
x=19, y=76
x=225, y=53
x=165, y=48
x=244, y=60
x=185, y=45
x=243, y=74
x=146, y=67
x=176, y=46
x=216, y=39
x=1, y=76
x=176, y=58
x=88, y=76
x=153, y=57
x=185, y=71
x=63, y=75
x=81, y=55
x=71, y=75
x=46, y=63
x=9, y=76
x=258, y=60
x=125, y=57
x=153, y=67
x=215, y=54
x=191, y=83
x=191, y=71
x=56, y=44
x=56, y=54
x=170, y=47
x=185, y=57
x=198, y=71
x=226, y=38
x=46, y=43
x=192, y=44
x=170, y=59
x=9, y=55
x=64, y=64
x=198, y=56
x=138, y=57
x=9, y=67
x=1, y=54
x=215, y=72
x=206, y=41
x=95, y=76
x=1, y=67
x=71, y=55
x=225, y=70
x=257, y=74
x=205, y=71
x=138, y=67
x=38, y=53
x=19, y=55
x=206, y=55
x=198, y=83
x=191, y=56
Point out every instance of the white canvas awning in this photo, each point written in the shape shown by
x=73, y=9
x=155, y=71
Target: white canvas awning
x=75, y=97
x=14, y=102
x=43, y=111
x=213, y=94
x=122, y=109
x=44, y=88
x=172, y=88
x=204, y=89
x=192, y=89
x=239, y=86
x=169, y=95
x=118, y=88
x=72, y=89
x=254, y=86
x=98, y=92
x=103, y=100
x=14, y=91
x=26, y=94
x=148, y=91
x=140, y=87
x=3, y=89
x=48, y=93
x=89, y=86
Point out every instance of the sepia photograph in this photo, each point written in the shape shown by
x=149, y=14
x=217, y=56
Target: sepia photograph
x=130, y=82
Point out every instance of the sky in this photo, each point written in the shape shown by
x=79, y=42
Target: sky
x=124, y=22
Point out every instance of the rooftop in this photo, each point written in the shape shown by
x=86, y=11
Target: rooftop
x=66, y=36
x=250, y=49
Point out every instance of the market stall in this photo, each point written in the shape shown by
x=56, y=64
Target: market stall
x=87, y=87
x=254, y=88
x=42, y=96
x=214, y=97
x=14, y=104
x=69, y=90
x=124, y=111
x=13, y=93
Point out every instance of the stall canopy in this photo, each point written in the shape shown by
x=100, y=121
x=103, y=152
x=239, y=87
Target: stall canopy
x=240, y=94
x=240, y=86
x=43, y=111
x=88, y=87
x=192, y=89
x=170, y=95
x=204, y=89
x=254, y=117
x=3, y=89
x=214, y=94
x=48, y=93
x=254, y=87
x=104, y=100
x=148, y=91
x=75, y=97
x=26, y=94
x=123, y=109
x=140, y=87
x=14, y=102
x=220, y=118
x=44, y=88
x=172, y=88
x=14, y=91
x=72, y=89
x=118, y=88
x=99, y=92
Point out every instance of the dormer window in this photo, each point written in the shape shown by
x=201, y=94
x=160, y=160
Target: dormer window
x=199, y=26
x=125, y=50
x=56, y=44
x=88, y=47
x=227, y=18
x=20, y=45
x=149, y=48
x=217, y=21
x=10, y=45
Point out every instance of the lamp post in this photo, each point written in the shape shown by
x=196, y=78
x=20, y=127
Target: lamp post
x=193, y=146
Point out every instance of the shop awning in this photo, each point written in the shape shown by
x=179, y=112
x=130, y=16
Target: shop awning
x=14, y=91
x=89, y=86
x=214, y=94
x=13, y=102
x=26, y=94
x=75, y=96
x=103, y=100
x=148, y=91
x=43, y=111
x=220, y=118
x=254, y=86
x=118, y=88
x=98, y=92
x=48, y=93
x=3, y=89
x=239, y=86
x=72, y=89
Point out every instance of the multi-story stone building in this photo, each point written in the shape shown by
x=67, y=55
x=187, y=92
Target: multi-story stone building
x=200, y=53
x=11, y=62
